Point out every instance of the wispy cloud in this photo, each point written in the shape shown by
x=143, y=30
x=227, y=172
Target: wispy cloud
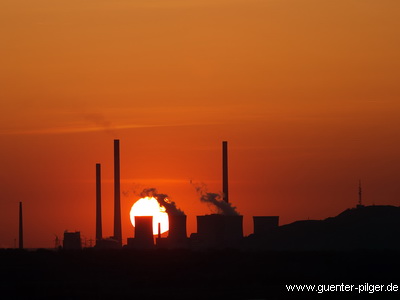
x=82, y=129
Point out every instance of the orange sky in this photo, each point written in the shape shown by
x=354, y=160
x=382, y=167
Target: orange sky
x=305, y=91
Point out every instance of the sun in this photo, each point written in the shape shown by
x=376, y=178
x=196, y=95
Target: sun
x=149, y=206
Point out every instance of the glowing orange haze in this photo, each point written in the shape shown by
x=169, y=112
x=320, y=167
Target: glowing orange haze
x=305, y=91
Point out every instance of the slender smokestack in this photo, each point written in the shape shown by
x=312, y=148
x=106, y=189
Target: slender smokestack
x=21, y=233
x=225, y=195
x=99, y=233
x=117, y=195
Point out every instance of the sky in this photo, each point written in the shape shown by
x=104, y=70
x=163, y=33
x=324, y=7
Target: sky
x=306, y=92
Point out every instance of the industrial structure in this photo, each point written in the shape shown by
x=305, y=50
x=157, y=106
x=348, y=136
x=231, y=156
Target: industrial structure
x=225, y=229
x=143, y=233
x=116, y=240
x=99, y=231
x=225, y=193
x=117, y=195
x=360, y=204
x=177, y=235
x=213, y=231
x=21, y=229
x=218, y=231
x=72, y=240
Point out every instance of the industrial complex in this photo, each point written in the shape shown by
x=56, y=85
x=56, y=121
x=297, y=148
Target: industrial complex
x=213, y=231
x=361, y=227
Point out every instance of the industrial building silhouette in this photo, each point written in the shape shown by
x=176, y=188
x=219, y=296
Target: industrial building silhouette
x=225, y=230
x=112, y=270
x=72, y=240
x=213, y=231
x=366, y=227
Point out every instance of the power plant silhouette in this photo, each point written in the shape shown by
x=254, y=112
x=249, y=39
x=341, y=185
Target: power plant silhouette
x=229, y=265
x=225, y=229
x=213, y=231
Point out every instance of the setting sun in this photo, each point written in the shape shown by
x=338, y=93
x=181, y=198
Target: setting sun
x=149, y=206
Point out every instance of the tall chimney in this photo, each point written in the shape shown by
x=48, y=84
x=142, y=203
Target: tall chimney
x=117, y=195
x=225, y=195
x=21, y=233
x=99, y=233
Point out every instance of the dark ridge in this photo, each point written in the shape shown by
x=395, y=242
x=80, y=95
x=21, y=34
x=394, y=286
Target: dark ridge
x=369, y=227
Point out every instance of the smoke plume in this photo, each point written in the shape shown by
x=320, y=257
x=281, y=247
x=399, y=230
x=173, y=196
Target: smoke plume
x=163, y=200
x=223, y=208
x=100, y=122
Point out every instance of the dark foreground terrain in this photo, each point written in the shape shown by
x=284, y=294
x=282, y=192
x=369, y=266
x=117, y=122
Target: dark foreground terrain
x=179, y=274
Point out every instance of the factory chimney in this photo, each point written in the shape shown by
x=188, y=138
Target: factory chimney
x=21, y=233
x=117, y=195
x=99, y=234
x=225, y=195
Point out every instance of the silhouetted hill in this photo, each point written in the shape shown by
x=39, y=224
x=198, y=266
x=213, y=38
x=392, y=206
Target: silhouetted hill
x=369, y=227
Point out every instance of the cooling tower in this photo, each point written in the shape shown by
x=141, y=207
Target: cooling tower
x=233, y=228
x=143, y=232
x=210, y=228
x=117, y=195
x=21, y=232
x=264, y=224
x=219, y=230
x=225, y=195
x=99, y=234
x=177, y=227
